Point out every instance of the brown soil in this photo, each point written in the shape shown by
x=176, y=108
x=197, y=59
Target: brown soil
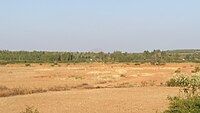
x=125, y=94
x=131, y=100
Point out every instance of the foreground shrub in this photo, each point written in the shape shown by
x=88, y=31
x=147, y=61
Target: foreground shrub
x=189, y=100
x=184, y=105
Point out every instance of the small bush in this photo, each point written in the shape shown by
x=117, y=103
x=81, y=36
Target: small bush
x=158, y=63
x=196, y=70
x=30, y=110
x=123, y=75
x=138, y=64
x=178, y=81
x=178, y=70
x=54, y=64
x=3, y=62
x=27, y=65
x=144, y=83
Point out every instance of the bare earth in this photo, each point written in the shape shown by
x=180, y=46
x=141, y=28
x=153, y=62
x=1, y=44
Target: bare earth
x=132, y=98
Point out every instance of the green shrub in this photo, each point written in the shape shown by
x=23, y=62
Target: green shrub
x=178, y=81
x=189, y=102
x=184, y=105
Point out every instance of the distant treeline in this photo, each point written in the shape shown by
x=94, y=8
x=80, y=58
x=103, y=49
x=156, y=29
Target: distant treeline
x=154, y=57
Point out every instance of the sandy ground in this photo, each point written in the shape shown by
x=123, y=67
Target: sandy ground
x=44, y=76
x=132, y=99
x=128, y=100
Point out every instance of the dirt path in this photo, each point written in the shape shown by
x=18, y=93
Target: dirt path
x=132, y=100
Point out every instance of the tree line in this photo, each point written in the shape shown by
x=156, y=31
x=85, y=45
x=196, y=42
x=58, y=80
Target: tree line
x=155, y=57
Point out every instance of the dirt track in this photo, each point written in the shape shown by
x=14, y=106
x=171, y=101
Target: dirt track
x=131, y=100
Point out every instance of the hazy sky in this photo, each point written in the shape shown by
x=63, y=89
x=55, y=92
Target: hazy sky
x=107, y=25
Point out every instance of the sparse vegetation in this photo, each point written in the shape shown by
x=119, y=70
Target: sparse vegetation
x=2, y=88
x=178, y=70
x=196, y=70
x=184, y=105
x=189, y=100
x=179, y=80
x=3, y=62
x=30, y=110
x=27, y=65
x=19, y=91
x=148, y=83
x=6, y=92
x=93, y=76
x=137, y=64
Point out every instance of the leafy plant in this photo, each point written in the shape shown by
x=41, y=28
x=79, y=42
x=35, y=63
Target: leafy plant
x=184, y=105
x=189, y=101
x=178, y=81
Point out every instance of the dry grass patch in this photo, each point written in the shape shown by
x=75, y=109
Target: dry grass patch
x=59, y=88
x=19, y=91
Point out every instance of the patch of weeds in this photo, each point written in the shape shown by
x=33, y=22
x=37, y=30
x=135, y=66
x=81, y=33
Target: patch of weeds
x=2, y=88
x=148, y=83
x=3, y=63
x=30, y=110
x=124, y=85
x=180, y=80
x=76, y=77
x=123, y=75
x=59, y=88
x=144, y=83
x=152, y=83
x=196, y=70
x=137, y=64
x=102, y=82
x=27, y=65
x=20, y=91
x=178, y=70
x=84, y=86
